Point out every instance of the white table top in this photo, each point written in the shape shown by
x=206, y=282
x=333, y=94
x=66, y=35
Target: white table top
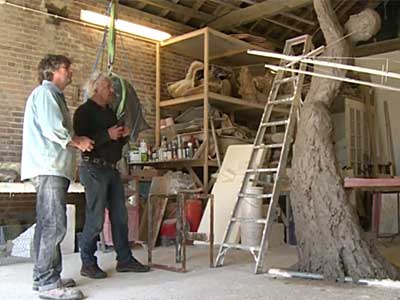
x=27, y=187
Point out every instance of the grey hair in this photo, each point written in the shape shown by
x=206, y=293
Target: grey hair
x=93, y=82
x=49, y=64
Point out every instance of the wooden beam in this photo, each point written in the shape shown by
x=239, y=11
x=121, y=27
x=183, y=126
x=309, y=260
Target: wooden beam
x=281, y=24
x=196, y=6
x=374, y=3
x=263, y=9
x=298, y=18
x=377, y=47
x=371, y=183
x=180, y=9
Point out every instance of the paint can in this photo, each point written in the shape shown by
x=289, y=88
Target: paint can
x=251, y=207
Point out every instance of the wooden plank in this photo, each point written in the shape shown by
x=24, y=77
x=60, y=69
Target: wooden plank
x=371, y=183
x=206, y=107
x=377, y=47
x=389, y=139
x=196, y=6
x=256, y=11
x=225, y=190
x=388, y=224
x=281, y=24
x=158, y=94
x=180, y=9
x=159, y=205
x=233, y=103
x=298, y=18
x=368, y=95
x=176, y=163
x=183, y=37
x=27, y=188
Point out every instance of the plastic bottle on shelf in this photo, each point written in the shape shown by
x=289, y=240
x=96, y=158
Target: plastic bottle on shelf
x=143, y=151
x=163, y=148
x=174, y=149
x=190, y=150
x=169, y=151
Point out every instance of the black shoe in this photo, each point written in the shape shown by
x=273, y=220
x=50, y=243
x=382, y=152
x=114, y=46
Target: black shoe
x=93, y=271
x=132, y=265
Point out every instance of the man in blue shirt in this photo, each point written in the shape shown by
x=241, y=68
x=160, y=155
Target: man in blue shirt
x=48, y=162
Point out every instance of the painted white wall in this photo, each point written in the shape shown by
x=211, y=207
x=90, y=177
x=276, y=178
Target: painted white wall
x=393, y=98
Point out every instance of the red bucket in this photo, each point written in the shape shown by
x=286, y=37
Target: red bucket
x=194, y=212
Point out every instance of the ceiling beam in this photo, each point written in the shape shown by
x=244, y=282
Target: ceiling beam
x=298, y=18
x=253, y=12
x=180, y=9
x=196, y=6
x=377, y=47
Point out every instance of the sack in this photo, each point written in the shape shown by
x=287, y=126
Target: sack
x=127, y=106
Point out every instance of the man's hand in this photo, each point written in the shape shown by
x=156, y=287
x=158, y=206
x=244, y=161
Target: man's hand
x=125, y=132
x=83, y=143
x=115, y=132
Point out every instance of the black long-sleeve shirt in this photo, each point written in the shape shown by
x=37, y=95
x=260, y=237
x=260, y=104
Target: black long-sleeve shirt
x=93, y=121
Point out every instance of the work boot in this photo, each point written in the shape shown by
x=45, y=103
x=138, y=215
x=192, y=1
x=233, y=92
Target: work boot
x=61, y=294
x=67, y=283
x=93, y=271
x=132, y=265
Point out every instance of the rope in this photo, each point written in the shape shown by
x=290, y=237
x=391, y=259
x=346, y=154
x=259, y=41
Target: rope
x=126, y=61
x=111, y=37
x=99, y=53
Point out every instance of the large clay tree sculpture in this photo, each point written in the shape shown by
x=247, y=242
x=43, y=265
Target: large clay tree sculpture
x=330, y=240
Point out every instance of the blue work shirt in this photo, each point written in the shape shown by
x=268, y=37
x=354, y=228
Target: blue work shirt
x=47, y=131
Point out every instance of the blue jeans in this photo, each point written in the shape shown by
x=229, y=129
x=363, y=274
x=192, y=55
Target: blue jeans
x=51, y=226
x=103, y=188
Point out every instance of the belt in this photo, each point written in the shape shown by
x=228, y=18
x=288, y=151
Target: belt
x=99, y=162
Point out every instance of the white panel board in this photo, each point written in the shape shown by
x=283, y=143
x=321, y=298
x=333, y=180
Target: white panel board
x=225, y=190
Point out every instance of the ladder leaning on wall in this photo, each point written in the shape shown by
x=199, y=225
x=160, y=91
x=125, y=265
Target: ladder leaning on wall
x=280, y=112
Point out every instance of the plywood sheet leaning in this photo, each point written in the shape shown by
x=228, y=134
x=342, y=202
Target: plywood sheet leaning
x=225, y=190
x=389, y=215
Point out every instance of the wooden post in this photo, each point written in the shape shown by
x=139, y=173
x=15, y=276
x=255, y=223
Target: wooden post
x=205, y=109
x=389, y=140
x=158, y=95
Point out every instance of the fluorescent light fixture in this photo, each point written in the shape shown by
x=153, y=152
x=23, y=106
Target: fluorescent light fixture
x=132, y=28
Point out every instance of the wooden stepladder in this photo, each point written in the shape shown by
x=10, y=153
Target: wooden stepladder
x=280, y=115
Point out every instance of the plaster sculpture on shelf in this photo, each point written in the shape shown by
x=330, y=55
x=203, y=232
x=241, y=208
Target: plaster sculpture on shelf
x=254, y=88
x=193, y=83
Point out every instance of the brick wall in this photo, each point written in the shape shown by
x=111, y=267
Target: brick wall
x=26, y=36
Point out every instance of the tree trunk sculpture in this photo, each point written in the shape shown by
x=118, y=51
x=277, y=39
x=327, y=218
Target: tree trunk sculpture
x=329, y=237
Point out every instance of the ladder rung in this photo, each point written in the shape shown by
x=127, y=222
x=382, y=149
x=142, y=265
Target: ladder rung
x=270, y=146
x=281, y=101
x=297, y=40
x=240, y=247
x=284, y=98
x=275, y=123
x=265, y=170
x=285, y=80
x=249, y=220
x=256, y=196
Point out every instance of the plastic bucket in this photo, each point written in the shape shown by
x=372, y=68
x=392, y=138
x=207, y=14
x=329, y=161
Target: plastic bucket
x=194, y=212
x=251, y=207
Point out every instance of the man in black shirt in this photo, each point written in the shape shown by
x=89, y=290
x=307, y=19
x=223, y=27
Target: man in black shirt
x=102, y=181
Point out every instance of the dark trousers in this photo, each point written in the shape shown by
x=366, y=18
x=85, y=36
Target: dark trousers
x=103, y=188
x=51, y=226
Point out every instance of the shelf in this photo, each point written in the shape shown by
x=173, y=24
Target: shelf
x=226, y=103
x=177, y=163
x=225, y=49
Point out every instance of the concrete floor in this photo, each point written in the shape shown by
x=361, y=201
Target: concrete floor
x=233, y=281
